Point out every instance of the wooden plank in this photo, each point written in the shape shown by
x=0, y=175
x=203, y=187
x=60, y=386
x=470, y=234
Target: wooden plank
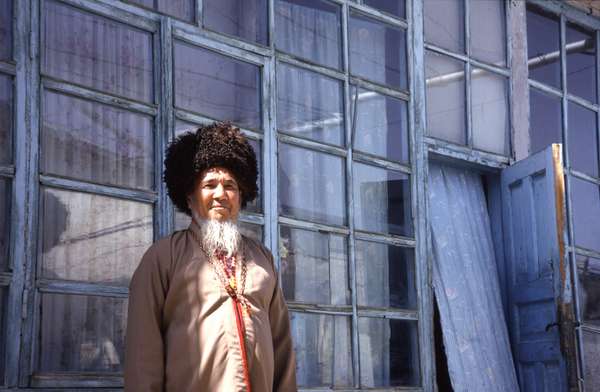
x=519, y=93
x=419, y=154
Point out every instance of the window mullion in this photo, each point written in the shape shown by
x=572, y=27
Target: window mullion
x=163, y=69
x=349, y=125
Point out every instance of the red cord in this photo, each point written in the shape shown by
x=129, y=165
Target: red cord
x=237, y=309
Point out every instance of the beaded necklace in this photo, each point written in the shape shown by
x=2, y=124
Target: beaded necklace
x=224, y=267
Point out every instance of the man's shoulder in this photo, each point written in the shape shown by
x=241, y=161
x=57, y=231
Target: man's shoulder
x=259, y=249
x=160, y=253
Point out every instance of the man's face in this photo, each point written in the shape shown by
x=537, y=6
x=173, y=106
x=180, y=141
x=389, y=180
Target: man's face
x=216, y=195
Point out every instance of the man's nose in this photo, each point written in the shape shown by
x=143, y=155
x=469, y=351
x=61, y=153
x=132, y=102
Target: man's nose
x=219, y=192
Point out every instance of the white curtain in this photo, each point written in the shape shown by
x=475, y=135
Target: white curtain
x=466, y=285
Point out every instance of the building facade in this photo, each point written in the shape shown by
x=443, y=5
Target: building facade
x=347, y=103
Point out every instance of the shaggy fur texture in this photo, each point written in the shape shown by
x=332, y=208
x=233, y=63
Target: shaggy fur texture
x=217, y=144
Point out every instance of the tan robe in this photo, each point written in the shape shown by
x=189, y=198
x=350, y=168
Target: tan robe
x=181, y=328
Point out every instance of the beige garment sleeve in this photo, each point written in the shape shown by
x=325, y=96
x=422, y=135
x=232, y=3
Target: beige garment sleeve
x=284, y=379
x=144, y=351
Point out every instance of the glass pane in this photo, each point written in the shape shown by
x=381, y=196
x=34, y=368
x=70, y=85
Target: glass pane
x=184, y=126
x=251, y=230
x=311, y=29
x=394, y=7
x=389, y=352
x=6, y=27
x=543, y=43
x=585, y=198
x=6, y=119
x=97, y=52
x=218, y=86
x=97, y=143
x=311, y=185
x=246, y=19
x=588, y=273
x=5, y=199
x=581, y=62
x=377, y=51
x=385, y=276
x=488, y=31
x=382, y=200
x=489, y=111
x=381, y=125
x=445, y=24
x=314, y=266
x=106, y=249
x=445, y=83
x=591, y=352
x=309, y=105
x=583, y=140
x=82, y=333
x=323, y=346
x=545, y=119
x=182, y=9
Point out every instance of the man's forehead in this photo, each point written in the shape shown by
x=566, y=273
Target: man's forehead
x=218, y=172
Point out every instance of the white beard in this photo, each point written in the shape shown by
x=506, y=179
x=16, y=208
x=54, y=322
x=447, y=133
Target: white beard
x=219, y=236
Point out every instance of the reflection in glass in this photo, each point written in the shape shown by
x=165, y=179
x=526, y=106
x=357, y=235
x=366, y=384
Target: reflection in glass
x=581, y=62
x=488, y=31
x=445, y=83
x=385, y=276
x=97, y=143
x=445, y=24
x=250, y=230
x=5, y=198
x=6, y=27
x=313, y=267
x=184, y=126
x=309, y=105
x=591, y=352
x=311, y=185
x=381, y=125
x=218, y=86
x=323, y=349
x=489, y=110
x=382, y=200
x=377, y=51
x=545, y=120
x=585, y=197
x=97, y=52
x=182, y=9
x=93, y=238
x=588, y=273
x=82, y=333
x=6, y=119
x=393, y=7
x=543, y=44
x=311, y=29
x=389, y=352
x=583, y=139
x=246, y=19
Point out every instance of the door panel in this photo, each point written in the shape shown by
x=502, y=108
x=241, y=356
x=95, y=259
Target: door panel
x=532, y=193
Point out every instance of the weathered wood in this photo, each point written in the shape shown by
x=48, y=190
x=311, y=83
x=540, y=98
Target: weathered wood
x=95, y=95
x=384, y=163
x=463, y=153
x=312, y=145
x=377, y=15
x=519, y=93
x=164, y=125
x=106, y=190
x=419, y=154
x=310, y=66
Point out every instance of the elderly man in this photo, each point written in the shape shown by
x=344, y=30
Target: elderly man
x=205, y=309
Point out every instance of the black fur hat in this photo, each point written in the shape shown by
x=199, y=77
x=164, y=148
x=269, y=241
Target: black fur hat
x=218, y=144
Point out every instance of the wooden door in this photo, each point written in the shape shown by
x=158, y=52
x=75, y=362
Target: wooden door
x=538, y=280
